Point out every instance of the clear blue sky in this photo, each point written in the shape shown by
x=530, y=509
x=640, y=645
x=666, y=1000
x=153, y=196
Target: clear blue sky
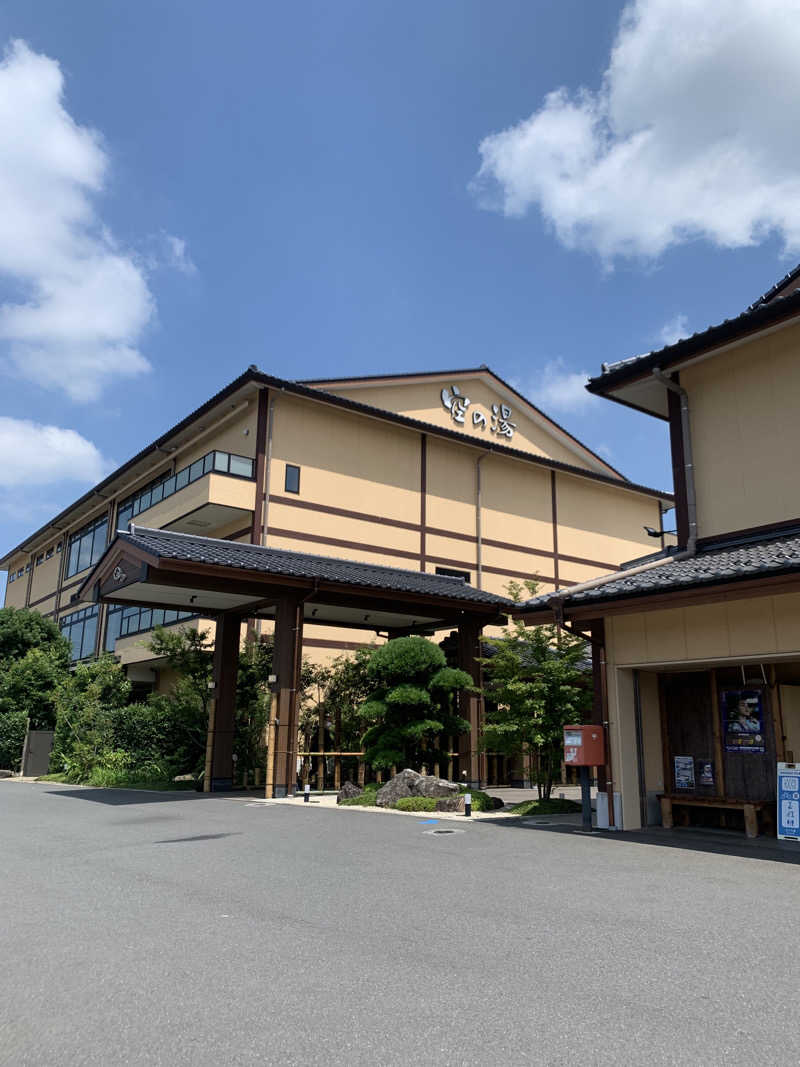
x=318, y=160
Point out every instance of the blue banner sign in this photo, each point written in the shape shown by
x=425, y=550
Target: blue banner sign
x=789, y=801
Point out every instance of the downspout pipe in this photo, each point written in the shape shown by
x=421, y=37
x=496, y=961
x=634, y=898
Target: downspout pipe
x=688, y=469
x=478, y=523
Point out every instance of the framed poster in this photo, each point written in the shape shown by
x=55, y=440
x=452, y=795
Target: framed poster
x=743, y=720
x=684, y=772
x=706, y=772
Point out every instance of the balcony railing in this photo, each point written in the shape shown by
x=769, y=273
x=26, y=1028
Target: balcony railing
x=169, y=484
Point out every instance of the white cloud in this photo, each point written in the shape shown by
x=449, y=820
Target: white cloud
x=674, y=330
x=561, y=389
x=692, y=133
x=78, y=304
x=32, y=454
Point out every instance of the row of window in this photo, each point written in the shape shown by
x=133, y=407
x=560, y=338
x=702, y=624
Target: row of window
x=167, y=484
x=80, y=627
x=48, y=554
x=88, y=544
x=122, y=622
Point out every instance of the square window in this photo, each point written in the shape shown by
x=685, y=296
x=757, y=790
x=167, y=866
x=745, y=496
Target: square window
x=292, y=480
x=221, y=462
x=39, y=560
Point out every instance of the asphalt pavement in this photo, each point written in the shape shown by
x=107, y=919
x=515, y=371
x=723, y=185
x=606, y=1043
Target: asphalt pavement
x=147, y=928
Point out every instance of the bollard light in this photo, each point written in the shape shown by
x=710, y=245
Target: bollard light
x=468, y=804
x=306, y=793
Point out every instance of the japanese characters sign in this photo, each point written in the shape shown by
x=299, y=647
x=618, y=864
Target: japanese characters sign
x=743, y=720
x=789, y=801
x=497, y=421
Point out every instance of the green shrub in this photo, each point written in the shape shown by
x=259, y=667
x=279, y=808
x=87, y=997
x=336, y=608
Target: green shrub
x=366, y=800
x=482, y=801
x=545, y=807
x=12, y=736
x=416, y=804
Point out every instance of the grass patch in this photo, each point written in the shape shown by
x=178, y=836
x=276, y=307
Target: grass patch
x=415, y=804
x=546, y=807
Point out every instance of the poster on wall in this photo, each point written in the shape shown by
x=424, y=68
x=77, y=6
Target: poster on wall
x=743, y=720
x=706, y=772
x=788, y=802
x=684, y=772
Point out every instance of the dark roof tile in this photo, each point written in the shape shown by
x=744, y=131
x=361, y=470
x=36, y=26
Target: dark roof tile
x=191, y=548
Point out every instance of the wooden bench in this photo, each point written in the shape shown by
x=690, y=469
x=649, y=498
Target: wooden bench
x=751, y=809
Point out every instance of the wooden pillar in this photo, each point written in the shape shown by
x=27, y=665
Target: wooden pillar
x=362, y=773
x=222, y=722
x=337, y=744
x=471, y=758
x=321, y=747
x=288, y=645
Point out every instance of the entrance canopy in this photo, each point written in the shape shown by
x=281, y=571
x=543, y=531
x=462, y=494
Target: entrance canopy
x=163, y=569
x=233, y=582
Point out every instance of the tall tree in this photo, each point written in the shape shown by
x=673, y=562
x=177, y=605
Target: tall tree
x=412, y=704
x=537, y=681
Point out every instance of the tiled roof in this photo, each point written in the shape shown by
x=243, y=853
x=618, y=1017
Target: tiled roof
x=757, y=316
x=761, y=558
x=193, y=549
x=770, y=293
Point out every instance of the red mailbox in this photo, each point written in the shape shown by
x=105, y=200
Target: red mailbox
x=584, y=746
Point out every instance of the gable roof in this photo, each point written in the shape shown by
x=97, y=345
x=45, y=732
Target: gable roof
x=253, y=376
x=626, y=381
x=482, y=371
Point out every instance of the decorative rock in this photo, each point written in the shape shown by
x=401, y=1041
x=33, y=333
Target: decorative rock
x=347, y=791
x=429, y=786
x=451, y=803
x=6, y=774
x=402, y=785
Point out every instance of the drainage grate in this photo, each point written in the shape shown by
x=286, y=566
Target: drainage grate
x=443, y=831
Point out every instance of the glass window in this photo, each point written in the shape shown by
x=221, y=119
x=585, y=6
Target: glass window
x=100, y=540
x=58, y=547
x=112, y=628
x=89, y=636
x=182, y=479
x=292, y=481
x=169, y=486
x=11, y=577
x=49, y=553
x=196, y=470
x=221, y=461
x=450, y=573
x=242, y=466
x=40, y=560
x=208, y=462
x=20, y=572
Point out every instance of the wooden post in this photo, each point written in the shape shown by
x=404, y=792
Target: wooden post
x=471, y=704
x=288, y=643
x=337, y=744
x=719, y=755
x=209, y=745
x=777, y=714
x=222, y=722
x=269, y=791
x=321, y=748
x=362, y=773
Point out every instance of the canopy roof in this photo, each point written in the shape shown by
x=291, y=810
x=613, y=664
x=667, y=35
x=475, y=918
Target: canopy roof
x=160, y=568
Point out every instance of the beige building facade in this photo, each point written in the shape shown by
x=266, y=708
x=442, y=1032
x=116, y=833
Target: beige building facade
x=698, y=652
x=451, y=473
